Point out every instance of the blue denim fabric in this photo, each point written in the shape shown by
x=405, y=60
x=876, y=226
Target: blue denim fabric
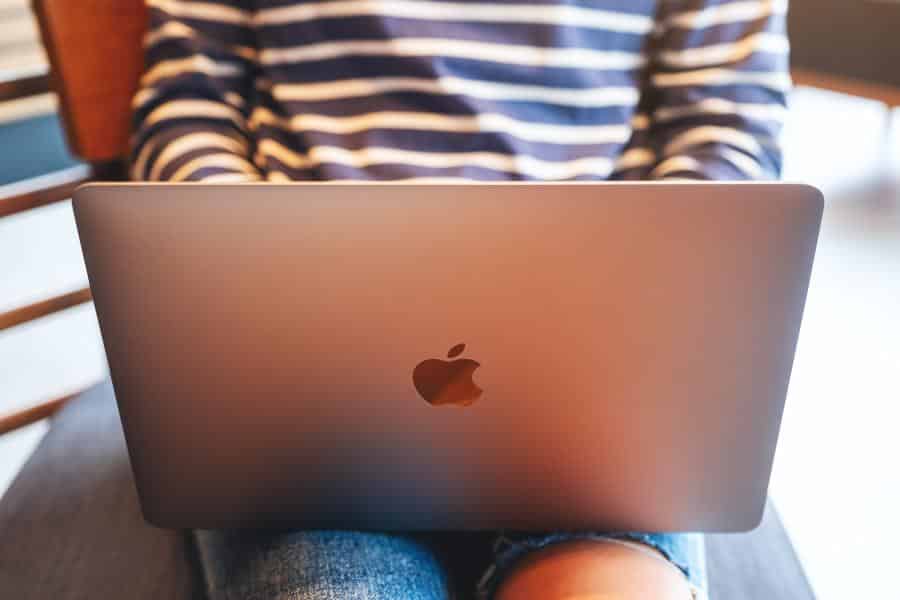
x=347, y=565
x=320, y=565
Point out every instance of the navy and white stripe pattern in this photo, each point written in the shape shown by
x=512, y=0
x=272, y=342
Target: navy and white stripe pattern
x=473, y=89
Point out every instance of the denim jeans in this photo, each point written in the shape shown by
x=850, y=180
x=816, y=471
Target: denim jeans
x=350, y=565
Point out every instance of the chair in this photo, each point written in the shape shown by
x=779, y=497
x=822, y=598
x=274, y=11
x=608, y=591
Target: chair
x=847, y=47
x=70, y=521
x=95, y=96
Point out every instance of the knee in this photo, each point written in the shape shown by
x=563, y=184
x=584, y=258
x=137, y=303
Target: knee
x=594, y=570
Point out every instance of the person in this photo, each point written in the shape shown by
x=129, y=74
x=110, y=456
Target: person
x=282, y=90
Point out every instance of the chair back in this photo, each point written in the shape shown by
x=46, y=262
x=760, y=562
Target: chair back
x=96, y=59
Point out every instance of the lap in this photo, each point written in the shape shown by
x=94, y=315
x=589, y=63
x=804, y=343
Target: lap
x=320, y=565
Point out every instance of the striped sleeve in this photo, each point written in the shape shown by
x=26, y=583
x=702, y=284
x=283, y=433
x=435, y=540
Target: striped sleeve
x=191, y=108
x=715, y=95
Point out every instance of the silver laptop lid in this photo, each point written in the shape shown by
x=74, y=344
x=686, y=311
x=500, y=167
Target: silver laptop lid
x=386, y=356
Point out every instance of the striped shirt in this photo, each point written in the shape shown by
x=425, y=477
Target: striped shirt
x=473, y=89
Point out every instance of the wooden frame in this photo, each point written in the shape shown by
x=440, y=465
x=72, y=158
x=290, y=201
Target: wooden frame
x=43, y=308
x=34, y=414
x=26, y=195
x=18, y=198
x=884, y=93
x=40, y=191
x=24, y=83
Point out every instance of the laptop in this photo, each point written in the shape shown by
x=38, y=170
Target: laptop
x=387, y=356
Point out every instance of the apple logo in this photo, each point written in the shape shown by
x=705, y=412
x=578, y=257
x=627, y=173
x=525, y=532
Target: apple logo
x=442, y=382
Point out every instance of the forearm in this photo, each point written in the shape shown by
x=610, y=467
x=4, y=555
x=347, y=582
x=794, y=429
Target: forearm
x=719, y=84
x=191, y=110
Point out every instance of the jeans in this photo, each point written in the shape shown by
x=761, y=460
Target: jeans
x=350, y=565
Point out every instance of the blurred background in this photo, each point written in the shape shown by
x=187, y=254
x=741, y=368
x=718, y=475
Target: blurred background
x=836, y=481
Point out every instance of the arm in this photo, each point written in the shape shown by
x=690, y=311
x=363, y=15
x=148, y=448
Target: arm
x=715, y=96
x=192, y=106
